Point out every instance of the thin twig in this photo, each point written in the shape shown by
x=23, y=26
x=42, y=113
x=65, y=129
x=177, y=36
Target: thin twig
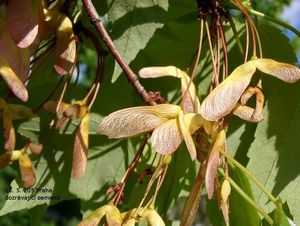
x=247, y=41
x=214, y=79
x=224, y=47
x=131, y=76
x=129, y=171
x=196, y=60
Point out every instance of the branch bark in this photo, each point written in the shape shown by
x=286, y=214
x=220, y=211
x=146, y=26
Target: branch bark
x=131, y=76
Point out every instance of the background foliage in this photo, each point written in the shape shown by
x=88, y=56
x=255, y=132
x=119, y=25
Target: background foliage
x=156, y=33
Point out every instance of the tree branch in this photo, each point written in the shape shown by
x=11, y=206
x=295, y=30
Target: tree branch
x=131, y=76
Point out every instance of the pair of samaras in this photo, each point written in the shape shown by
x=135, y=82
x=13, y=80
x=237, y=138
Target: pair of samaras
x=223, y=99
x=167, y=121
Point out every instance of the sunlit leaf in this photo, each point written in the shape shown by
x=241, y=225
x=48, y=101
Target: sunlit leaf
x=12, y=81
x=286, y=72
x=224, y=97
x=65, y=50
x=23, y=21
x=81, y=146
x=134, y=24
x=27, y=171
x=274, y=154
x=9, y=132
x=132, y=121
x=213, y=162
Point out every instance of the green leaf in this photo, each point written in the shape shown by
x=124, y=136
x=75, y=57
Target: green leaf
x=53, y=168
x=274, y=152
x=36, y=215
x=271, y=37
x=133, y=25
x=280, y=219
x=179, y=180
x=214, y=213
x=247, y=215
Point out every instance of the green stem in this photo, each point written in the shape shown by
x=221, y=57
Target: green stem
x=275, y=20
x=250, y=201
x=245, y=171
x=259, y=42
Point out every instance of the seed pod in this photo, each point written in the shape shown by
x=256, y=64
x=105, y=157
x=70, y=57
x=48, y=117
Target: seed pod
x=113, y=216
x=27, y=171
x=95, y=217
x=136, y=120
x=285, y=72
x=191, y=103
x=212, y=163
x=65, y=50
x=23, y=19
x=9, y=132
x=81, y=146
x=16, y=58
x=225, y=190
x=153, y=218
x=246, y=113
x=12, y=81
x=16, y=155
x=224, y=97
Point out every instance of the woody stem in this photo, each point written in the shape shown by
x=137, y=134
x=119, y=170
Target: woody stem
x=131, y=76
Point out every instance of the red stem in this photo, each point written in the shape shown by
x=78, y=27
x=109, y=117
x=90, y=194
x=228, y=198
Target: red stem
x=131, y=76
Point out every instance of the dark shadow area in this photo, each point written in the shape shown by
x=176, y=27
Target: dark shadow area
x=283, y=110
x=244, y=140
x=284, y=123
